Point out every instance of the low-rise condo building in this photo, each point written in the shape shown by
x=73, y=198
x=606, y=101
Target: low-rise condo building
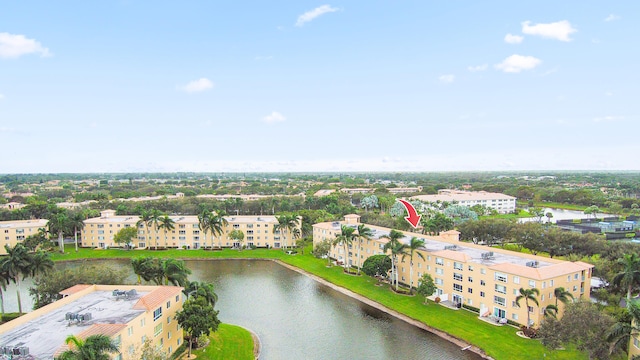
x=634, y=345
x=129, y=314
x=501, y=203
x=258, y=231
x=16, y=231
x=485, y=278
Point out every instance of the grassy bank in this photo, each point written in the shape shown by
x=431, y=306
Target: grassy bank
x=498, y=342
x=229, y=342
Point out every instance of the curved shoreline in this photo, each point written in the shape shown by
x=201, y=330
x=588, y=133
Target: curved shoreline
x=442, y=334
x=257, y=345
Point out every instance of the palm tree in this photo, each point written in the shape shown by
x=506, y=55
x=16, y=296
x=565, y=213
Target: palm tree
x=346, y=237
x=58, y=224
x=396, y=248
x=286, y=223
x=41, y=264
x=620, y=334
x=551, y=311
x=17, y=264
x=201, y=289
x=364, y=233
x=528, y=295
x=562, y=295
x=4, y=281
x=204, y=222
x=94, y=347
x=140, y=265
x=167, y=224
x=145, y=218
x=174, y=271
x=414, y=244
x=76, y=221
x=217, y=223
x=154, y=221
x=629, y=277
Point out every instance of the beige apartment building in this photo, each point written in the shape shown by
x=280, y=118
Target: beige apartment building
x=129, y=314
x=482, y=277
x=16, y=231
x=258, y=231
x=634, y=346
x=502, y=203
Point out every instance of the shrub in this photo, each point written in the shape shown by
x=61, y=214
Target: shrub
x=529, y=332
x=437, y=299
x=471, y=308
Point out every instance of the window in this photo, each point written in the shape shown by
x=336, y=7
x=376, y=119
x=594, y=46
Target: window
x=501, y=289
x=157, y=329
x=500, y=277
x=482, y=283
x=142, y=322
x=438, y=281
x=457, y=287
x=575, y=276
x=143, y=338
x=130, y=330
x=530, y=308
x=544, y=284
x=514, y=304
x=470, y=291
x=470, y=268
x=568, y=278
x=575, y=288
x=470, y=279
x=636, y=342
x=481, y=293
x=439, y=261
x=439, y=271
x=168, y=319
x=483, y=271
x=169, y=336
x=157, y=313
x=499, y=300
x=457, y=277
x=514, y=317
x=177, y=298
x=168, y=304
x=516, y=279
x=532, y=283
x=457, y=265
x=550, y=282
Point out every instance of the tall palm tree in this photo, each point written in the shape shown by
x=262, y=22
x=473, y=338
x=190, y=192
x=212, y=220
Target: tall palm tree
x=396, y=248
x=58, y=224
x=551, y=311
x=217, y=223
x=346, y=237
x=140, y=265
x=364, y=233
x=562, y=295
x=174, y=271
x=286, y=223
x=204, y=222
x=76, y=221
x=201, y=289
x=412, y=247
x=41, y=264
x=17, y=264
x=4, y=281
x=167, y=224
x=629, y=277
x=145, y=218
x=153, y=222
x=94, y=347
x=528, y=295
x=620, y=334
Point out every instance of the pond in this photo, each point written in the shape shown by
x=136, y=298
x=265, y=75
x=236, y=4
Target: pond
x=299, y=318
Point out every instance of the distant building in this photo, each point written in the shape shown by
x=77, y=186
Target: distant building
x=128, y=314
x=258, y=231
x=16, y=231
x=12, y=206
x=324, y=192
x=357, y=190
x=502, y=203
x=486, y=278
x=405, y=190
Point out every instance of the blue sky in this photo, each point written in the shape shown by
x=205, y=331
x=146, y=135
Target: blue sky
x=318, y=86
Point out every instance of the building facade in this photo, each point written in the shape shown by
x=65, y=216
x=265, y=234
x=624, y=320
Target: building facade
x=258, y=232
x=16, y=231
x=485, y=278
x=129, y=314
x=501, y=203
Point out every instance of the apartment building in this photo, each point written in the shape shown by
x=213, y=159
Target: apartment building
x=482, y=277
x=128, y=314
x=258, y=231
x=16, y=231
x=634, y=345
x=502, y=203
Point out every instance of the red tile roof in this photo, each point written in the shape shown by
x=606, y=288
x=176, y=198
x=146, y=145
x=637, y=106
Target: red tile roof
x=157, y=297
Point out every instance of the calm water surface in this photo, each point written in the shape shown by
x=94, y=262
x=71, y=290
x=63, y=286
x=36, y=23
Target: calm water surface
x=298, y=318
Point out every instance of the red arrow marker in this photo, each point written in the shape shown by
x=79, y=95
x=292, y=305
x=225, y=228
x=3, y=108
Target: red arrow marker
x=413, y=217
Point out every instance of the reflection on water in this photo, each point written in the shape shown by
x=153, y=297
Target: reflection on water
x=298, y=318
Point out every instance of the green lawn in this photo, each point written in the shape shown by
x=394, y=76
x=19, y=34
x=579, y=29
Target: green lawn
x=499, y=342
x=229, y=342
x=521, y=214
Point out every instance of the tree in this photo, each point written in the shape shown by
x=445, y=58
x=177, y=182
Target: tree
x=148, y=351
x=369, y=202
x=287, y=223
x=363, y=233
x=529, y=235
x=167, y=224
x=174, y=271
x=145, y=218
x=629, y=277
x=549, y=216
x=345, y=238
x=125, y=235
x=377, y=265
x=58, y=224
x=154, y=222
x=197, y=318
x=592, y=210
x=140, y=266
x=412, y=247
x=538, y=213
x=528, y=295
x=204, y=222
x=322, y=249
x=32, y=242
x=562, y=295
x=426, y=286
x=217, y=222
x=94, y=347
x=201, y=289
x=397, y=248
x=237, y=236
x=583, y=326
x=17, y=264
x=4, y=281
x=620, y=334
x=76, y=222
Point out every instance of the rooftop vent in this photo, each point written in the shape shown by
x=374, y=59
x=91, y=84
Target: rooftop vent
x=533, y=264
x=451, y=247
x=487, y=255
x=14, y=351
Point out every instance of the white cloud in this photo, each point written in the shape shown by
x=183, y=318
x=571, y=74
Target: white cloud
x=274, y=117
x=612, y=17
x=559, y=30
x=199, y=85
x=447, y=79
x=482, y=67
x=607, y=118
x=312, y=14
x=14, y=46
x=516, y=63
x=513, y=39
